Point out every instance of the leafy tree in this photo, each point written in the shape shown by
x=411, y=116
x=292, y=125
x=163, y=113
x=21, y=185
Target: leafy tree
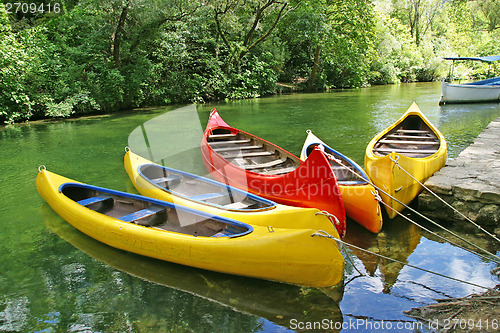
x=185, y=65
x=337, y=47
x=23, y=70
x=243, y=25
x=350, y=44
x=303, y=33
x=419, y=15
x=390, y=38
x=486, y=14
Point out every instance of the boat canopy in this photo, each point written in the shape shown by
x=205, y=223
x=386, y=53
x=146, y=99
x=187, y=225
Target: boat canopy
x=484, y=59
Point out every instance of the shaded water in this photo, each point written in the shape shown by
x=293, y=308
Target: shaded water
x=54, y=278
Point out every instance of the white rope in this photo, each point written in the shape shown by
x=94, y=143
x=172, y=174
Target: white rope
x=437, y=235
x=343, y=248
x=322, y=233
x=446, y=203
x=495, y=257
x=378, y=198
x=330, y=216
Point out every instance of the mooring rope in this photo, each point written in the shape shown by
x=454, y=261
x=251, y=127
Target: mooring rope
x=396, y=161
x=322, y=233
x=437, y=235
x=331, y=217
x=348, y=257
x=495, y=257
x=335, y=221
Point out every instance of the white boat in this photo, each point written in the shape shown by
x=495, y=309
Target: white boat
x=487, y=90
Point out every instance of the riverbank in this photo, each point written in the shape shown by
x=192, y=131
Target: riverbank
x=470, y=183
x=474, y=313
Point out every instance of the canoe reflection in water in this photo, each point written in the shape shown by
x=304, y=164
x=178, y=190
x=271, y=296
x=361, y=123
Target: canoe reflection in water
x=398, y=240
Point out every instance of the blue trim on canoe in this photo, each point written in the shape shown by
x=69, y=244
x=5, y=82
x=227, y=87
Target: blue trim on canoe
x=352, y=182
x=354, y=164
x=229, y=188
x=190, y=210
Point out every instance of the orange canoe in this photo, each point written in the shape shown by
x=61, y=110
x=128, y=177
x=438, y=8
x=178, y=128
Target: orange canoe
x=358, y=194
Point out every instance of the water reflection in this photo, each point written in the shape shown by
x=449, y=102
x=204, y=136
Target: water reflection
x=276, y=302
x=389, y=286
x=398, y=240
x=467, y=265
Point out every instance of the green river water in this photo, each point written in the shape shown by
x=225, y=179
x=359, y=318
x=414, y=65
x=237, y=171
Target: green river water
x=53, y=278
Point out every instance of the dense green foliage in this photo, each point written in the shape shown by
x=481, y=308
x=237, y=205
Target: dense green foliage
x=100, y=56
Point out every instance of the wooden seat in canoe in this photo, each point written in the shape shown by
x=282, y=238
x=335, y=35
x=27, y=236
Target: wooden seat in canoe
x=412, y=137
x=265, y=165
x=352, y=182
x=168, y=182
x=136, y=217
x=408, y=142
x=100, y=198
x=220, y=150
x=251, y=154
x=221, y=136
x=237, y=205
x=339, y=167
x=278, y=171
x=215, y=143
x=411, y=131
x=402, y=150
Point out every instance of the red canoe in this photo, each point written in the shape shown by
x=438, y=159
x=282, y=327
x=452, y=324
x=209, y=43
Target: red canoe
x=243, y=160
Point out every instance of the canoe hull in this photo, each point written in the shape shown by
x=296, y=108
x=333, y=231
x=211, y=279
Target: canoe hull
x=311, y=184
x=285, y=255
x=358, y=196
x=390, y=178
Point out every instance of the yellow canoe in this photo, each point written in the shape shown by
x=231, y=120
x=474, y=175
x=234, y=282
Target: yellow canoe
x=219, y=199
x=416, y=146
x=186, y=236
x=358, y=194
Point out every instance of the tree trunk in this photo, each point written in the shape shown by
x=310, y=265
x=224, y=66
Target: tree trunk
x=117, y=35
x=312, y=78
